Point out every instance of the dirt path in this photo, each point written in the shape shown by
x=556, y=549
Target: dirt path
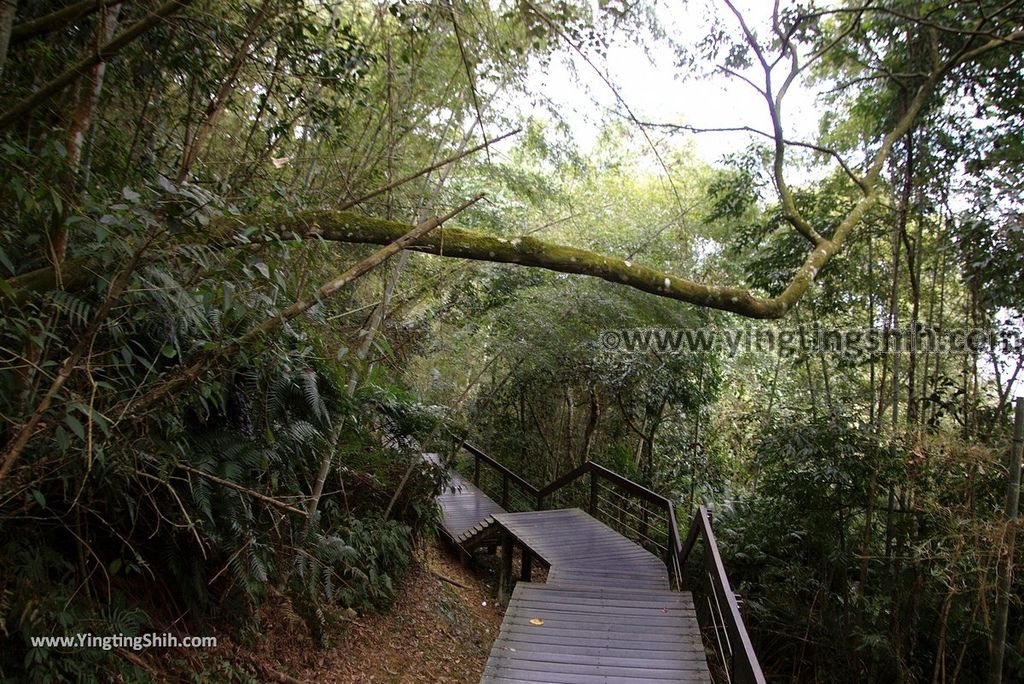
x=436, y=631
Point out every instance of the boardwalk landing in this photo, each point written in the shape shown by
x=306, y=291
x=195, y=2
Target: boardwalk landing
x=608, y=613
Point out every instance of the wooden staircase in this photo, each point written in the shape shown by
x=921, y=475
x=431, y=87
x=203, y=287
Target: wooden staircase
x=607, y=612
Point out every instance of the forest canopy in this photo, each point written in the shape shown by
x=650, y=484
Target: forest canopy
x=257, y=256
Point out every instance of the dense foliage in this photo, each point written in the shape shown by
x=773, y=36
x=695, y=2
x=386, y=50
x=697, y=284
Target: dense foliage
x=191, y=424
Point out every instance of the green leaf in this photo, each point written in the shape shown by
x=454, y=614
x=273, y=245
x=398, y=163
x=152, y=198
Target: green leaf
x=58, y=204
x=61, y=436
x=6, y=262
x=75, y=425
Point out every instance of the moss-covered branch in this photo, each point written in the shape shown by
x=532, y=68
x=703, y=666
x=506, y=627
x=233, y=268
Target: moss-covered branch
x=466, y=244
x=529, y=251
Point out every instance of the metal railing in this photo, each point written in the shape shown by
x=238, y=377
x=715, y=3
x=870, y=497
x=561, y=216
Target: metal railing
x=506, y=480
x=649, y=519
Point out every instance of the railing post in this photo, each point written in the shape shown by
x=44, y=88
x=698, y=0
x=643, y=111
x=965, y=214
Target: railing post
x=593, y=494
x=476, y=471
x=504, y=491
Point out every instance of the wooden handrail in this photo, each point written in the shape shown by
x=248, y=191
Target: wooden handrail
x=743, y=664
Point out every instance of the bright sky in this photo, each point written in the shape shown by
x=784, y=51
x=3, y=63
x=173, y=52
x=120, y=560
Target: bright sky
x=650, y=84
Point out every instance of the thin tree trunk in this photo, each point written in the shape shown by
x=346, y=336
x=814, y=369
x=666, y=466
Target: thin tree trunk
x=8, y=8
x=569, y=420
x=914, y=265
x=812, y=386
x=1007, y=549
x=941, y=316
x=81, y=121
x=825, y=376
x=932, y=291
x=592, y=420
x=939, y=670
x=220, y=99
x=894, y=319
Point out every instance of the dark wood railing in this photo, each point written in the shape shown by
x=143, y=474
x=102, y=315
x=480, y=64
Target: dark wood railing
x=652, y=523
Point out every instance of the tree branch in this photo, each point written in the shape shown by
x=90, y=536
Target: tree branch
x=106, y=51
x=54, y=20
x=528, y=251
x=186, y=376
x=15, y=446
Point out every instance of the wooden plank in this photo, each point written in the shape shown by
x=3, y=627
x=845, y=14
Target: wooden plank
x=627, y=635
x=563, y=678
x=522, y=666
x=657, y=651
x=596, y=665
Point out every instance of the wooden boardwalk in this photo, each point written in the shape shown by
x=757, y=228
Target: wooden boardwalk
x=605, y=615
x=580, y=550
x=463, y=506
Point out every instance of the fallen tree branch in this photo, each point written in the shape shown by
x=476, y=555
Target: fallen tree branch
x=347, y=227
x=449, y=580
x=530, y=251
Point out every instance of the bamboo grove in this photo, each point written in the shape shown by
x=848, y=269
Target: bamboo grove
x=257, y=256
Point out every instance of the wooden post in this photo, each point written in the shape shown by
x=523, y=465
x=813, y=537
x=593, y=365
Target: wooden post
x=505, y=576
x=504, y=491
x=1006, y=553
x=476, y=471
x=527, y=565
